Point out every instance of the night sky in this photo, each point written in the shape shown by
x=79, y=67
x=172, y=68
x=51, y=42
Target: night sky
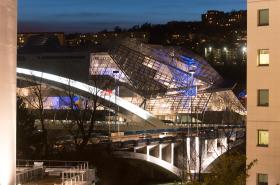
x=95, y=15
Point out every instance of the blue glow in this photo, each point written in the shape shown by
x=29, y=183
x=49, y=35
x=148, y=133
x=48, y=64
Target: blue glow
x=65, y=102
x=189, y=61
x=191, y=91
x=242, y=94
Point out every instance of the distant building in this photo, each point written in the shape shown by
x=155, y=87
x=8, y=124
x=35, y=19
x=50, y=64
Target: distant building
x=22, y=38
x=220, y=18
x=213, y=17
x=226, y=56
x=263, y=101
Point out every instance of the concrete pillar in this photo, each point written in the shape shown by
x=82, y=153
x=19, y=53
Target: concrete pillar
x=204, y=149
x=167, y=154
x=172, y=154
x=160, y=151
x=8, y=49
x=154, y=151
x=212, y=145
x=188, y=150
x=148, y=152
x=223, y=142
x=197, y=154
x=141, y=149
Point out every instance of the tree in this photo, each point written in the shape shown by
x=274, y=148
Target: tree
x=82, y=112
x=231, y=169
x=28, y=142
x=117, y=29
x=35, y=101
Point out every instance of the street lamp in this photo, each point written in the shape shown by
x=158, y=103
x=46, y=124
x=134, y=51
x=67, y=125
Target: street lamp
x=244, y=49
x=116, y=94
x=192, y=69
x=225, y=49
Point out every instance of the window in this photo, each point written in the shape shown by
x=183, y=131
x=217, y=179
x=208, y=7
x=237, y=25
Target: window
x=262, y=179
x=263, y=57
x=263, y=138
x=263, y=99
x=263, y=17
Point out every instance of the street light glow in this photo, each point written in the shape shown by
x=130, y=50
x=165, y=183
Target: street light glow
x=244, y=49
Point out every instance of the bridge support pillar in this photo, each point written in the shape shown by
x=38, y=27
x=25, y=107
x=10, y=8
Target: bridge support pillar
x=160, y=151
x=172, y=153
x=168, y=153
x=204, y=149
x=223, y=143
x=197, y=154
x=188, y=147
x=148, y=148
x=212, y=145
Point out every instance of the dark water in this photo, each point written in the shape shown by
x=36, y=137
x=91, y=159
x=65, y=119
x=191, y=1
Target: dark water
x=131, y=172
x=112, y=171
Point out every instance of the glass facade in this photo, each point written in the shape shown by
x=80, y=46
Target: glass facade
x=165, y=80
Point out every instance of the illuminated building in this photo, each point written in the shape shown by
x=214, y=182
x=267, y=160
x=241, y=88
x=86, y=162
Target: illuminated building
x=170, y=83
x=226, y=56
x=220, y=18
x=263, y=123
x=213, y=17
x=166, y=81
x=24, y=37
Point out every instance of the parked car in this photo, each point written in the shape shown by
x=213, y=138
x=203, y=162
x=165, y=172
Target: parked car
x=145, y=136
x=164, y=134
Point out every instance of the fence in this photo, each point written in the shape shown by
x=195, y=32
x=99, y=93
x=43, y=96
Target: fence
x=72, y=172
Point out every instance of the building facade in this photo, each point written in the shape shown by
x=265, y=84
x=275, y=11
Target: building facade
x=263, y=120
x=8, y=28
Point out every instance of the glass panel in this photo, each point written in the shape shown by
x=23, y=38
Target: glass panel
x=263, y=57
x=263, y=97
x=263, y=137
x=263, y=17
x=262, y=179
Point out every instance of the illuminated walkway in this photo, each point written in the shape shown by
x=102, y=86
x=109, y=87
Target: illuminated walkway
x=51, y=79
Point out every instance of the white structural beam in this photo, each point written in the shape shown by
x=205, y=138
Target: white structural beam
x=197, y=153
x=8, y=48
x=93, y=90
x=172, y=153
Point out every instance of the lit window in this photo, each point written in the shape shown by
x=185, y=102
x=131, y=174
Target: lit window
x=262, y=179
x=263, y=138
x=263, y=57
x=264, y=17
x=263, y=97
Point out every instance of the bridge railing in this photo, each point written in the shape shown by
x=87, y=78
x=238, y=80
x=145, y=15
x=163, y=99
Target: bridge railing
x=28, y=174
x=72, y=172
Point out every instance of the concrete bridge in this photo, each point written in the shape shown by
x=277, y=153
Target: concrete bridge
x=191, y=154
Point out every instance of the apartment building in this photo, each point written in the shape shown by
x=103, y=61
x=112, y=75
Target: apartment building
x=263, y=70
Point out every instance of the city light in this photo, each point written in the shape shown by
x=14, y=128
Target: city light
x=244, y=49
